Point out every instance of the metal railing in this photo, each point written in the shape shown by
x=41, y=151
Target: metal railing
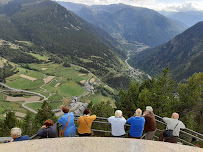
x=101, y=120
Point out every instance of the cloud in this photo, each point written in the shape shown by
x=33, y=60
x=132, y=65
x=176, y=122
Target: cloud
x=186, y=6
x=159, y=5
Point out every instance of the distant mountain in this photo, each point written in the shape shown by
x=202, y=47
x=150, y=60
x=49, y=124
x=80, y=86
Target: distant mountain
x=184, y=55
x=128, y=24
x=51, y=27
x=188, y=18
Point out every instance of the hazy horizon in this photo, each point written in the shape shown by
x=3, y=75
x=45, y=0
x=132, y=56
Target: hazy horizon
x=158, y=5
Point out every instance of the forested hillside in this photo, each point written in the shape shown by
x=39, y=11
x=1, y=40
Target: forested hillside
x=52, y=28
x=128, y=24
x=184, y=55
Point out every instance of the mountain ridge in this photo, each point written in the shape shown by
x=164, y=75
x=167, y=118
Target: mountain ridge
x=127, y=23
x=183, y=54
x=54, y=29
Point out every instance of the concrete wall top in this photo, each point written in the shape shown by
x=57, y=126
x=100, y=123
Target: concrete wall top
x=94, y=144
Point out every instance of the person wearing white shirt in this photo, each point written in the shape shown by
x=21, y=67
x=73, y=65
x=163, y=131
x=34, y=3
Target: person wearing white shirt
x=117, y=124
x=172, y=124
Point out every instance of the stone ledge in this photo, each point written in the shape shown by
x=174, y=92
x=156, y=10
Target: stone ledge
x=94, y=144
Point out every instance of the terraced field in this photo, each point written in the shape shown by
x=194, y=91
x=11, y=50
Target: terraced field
x=64, y=83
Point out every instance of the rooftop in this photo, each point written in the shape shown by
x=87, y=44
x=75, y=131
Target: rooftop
x=95, y=144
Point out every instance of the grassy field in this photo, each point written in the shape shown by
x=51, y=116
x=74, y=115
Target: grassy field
x=38, y=105
x=40, y=57
x=68, y=78
x=34, y=106
x=96, y=98
x=56, y=97
x=70, y=89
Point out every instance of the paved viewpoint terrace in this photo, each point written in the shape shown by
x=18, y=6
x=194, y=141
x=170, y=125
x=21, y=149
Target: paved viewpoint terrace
x=94, y=144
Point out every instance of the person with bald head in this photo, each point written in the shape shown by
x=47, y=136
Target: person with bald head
x=137, y=124
x=172, y=124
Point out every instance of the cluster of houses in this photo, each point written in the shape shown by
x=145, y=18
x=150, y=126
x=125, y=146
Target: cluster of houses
x=75, y=106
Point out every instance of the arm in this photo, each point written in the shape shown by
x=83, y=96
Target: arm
x=93, y=117
x=60, y=120
x=41, y=132
x=129, y=121
x=166, y=120
x=182, y=126
x=109, y=119
x=123, y=120
x=78, y=121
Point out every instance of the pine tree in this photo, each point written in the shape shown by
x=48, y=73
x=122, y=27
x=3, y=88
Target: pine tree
x=190, y=105
x=9, y=122
x=44, y=113
x=28, y=125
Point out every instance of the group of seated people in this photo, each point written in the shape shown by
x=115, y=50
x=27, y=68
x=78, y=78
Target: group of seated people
x=139, y=124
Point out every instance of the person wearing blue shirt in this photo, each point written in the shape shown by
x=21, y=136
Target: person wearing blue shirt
x=70, y=129
x=137, y=124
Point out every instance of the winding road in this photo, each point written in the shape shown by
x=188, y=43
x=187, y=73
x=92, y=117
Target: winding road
x=135, y=72
x=24, y=91
x=39, y=94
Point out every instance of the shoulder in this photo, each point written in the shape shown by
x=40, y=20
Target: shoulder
x=26, y=137
x=93, y=117
x=142, y=118
x=131, y=118
x=166, y=119
x=112, y=117
x=71, y=113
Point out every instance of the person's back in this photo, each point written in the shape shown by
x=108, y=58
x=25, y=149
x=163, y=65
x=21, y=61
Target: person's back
x=137, y=126
x=22, y=138
x=49, y=132
x=16, y=134
x=70, y=129
x=150, y=122
x=174, y=124
x=117, y=124
x=85, y=123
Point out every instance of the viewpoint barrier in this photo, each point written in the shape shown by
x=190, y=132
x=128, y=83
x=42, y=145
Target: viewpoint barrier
x=185, y=137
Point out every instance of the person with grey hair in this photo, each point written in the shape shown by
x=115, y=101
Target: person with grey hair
x=16, y=135
x=150, y=123
x=117, y=124
x=173, y=127
x=137, y=124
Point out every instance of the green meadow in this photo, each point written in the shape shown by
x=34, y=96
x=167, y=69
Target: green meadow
x=68, y=79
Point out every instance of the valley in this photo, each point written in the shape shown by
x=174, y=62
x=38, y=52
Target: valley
x=52, y=82
x=136, y=73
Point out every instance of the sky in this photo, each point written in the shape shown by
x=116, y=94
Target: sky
x=158, y=5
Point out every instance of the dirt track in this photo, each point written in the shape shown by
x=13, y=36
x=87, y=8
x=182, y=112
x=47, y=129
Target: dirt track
x=15, y=99
x=57, y=85
x=43, y=69
x=82, y=82
x=28, y=77
x=92, y=80
x=20, y=114
x=48, y=79
x=82, y=74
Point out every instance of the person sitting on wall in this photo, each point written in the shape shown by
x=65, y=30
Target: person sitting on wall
x=117, y=124
x=16, y=135
x=173, y=127
x=67, y=121
x=85, y=123
x=48, y=130
x=137, y=124
x=150, y=123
